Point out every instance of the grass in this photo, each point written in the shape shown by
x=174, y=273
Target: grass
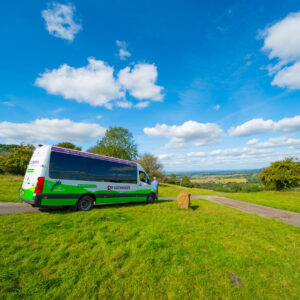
x=148, y=252
x=166, y=190
x=9, y=188
x=282, y=200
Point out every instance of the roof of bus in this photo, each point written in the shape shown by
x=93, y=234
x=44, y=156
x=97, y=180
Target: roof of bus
x=92, y=155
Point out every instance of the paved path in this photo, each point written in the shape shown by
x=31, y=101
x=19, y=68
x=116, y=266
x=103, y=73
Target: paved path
x=285, y=216
x=9, y=208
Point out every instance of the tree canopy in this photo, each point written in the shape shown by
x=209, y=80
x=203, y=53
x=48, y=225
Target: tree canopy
x=117, y=142
x=185, y=181
x=151, y=165
x=16, y=162
x=68, y=145
x=281, y=174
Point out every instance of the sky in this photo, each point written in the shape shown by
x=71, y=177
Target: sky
x=202, y=85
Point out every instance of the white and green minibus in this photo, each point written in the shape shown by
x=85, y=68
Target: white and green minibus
x=62, y=177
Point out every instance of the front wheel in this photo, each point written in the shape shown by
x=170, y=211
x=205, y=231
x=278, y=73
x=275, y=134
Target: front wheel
x=150, y=198
x=85, y=203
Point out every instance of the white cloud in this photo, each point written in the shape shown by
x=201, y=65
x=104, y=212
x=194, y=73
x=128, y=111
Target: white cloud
x=240, y=152
x=94, y=84
x=222, y=159
x=282, y=41
x=254, y=126
x=142, y=104
x=124, y=104
x=44, y=130
x=253, y=141
x=282, y=141
x=288, y=77
x=123, y=52
x=99, y=117
x=198, y=134
x=140, y=82
x=257, y=126
x=60, y=21
x=217, y=107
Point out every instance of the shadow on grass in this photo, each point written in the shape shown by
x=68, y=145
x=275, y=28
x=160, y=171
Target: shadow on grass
x=194, y=207
x=66, y=209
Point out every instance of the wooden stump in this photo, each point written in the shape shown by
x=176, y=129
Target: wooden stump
x=184, y=200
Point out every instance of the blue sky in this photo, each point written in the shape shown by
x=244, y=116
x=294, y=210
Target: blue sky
x=204, y=86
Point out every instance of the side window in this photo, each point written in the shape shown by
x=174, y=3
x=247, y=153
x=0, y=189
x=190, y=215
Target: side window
x=74, y=167
x=142, y=176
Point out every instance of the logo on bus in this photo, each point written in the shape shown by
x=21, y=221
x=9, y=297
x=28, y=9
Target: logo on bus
x=111, y=188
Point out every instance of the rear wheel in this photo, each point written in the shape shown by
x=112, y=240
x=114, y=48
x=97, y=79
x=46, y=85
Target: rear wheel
x=85, y=203
x=150, y=198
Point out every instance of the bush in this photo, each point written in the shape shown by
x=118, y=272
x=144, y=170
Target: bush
x=281, y=175
x=17, y=161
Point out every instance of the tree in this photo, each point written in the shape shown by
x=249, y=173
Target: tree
x=17, y=161
x=173, y=179
x=68, y=146
x=185, y=181
x=152, y=166
x=117, y=142
x=281, y=174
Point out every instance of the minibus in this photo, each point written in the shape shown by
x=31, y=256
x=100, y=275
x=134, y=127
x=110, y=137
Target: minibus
x=63, y=177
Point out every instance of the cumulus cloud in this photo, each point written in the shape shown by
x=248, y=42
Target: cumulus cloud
x=258, y=126
x=124, y=104
x=142, y=104
x=217, y=107
x=282, y=141
x=123, y=52
x=96, y=84
x=198, y=134
x=140, y=82
x=45, y=130
x=60, y=20
x=221, y=159
x=253, y=141
x=282, y=42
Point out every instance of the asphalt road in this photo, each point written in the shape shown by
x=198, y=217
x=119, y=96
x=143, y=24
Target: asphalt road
x=292, y=218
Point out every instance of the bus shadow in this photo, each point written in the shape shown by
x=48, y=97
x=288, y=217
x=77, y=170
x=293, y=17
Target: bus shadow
x=60, y=210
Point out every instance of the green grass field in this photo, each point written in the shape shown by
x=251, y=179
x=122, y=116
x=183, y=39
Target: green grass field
x=282, y=200
x=166, y=190
x=9, y=188
x=148, y=252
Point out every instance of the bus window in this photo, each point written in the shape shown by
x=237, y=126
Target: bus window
x=142, y=176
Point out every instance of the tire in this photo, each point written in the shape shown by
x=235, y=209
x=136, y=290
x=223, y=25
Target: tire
x=150, y=198
x=85, y=203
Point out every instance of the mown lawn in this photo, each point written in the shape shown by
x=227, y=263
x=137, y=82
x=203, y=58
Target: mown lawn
x=148, y=252
x=282, y=200
x=166, y=190
x=9, y=188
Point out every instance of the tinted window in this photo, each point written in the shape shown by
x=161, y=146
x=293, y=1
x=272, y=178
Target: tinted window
x=74, y=167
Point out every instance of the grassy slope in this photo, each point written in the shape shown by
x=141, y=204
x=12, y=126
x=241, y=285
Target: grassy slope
x=148, y=252
x=9, y=188
x=283, y=200
x=166, y=190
